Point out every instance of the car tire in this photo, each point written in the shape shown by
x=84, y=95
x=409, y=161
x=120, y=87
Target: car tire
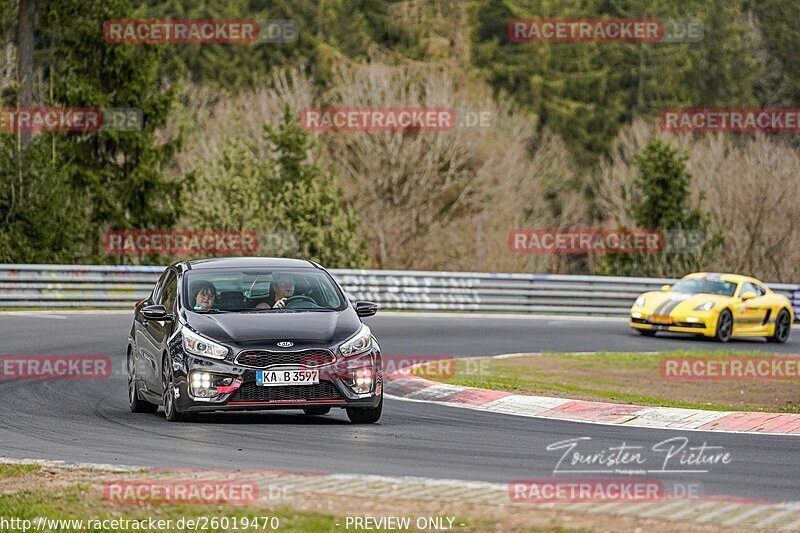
x=647, y=332
x=171, y=412
x=136, y=404
x=724, y=326
x=783, y=326
x=368, y=415
x=317, y=411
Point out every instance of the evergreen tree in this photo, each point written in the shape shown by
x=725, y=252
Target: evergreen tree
x=586, y=90
x=121, y=173
x=779, y=29
x=664, y=183
x=663, y=203
x=727, y=69
x=64, y=190
x=571, y=87
x=653, y=75
x=42, y=217
x=327, y=30
x=288, y=198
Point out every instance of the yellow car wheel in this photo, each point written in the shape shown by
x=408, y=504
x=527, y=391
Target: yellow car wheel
x=724, y=326
x=783, y=326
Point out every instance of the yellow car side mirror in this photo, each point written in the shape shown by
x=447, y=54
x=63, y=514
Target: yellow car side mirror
x=748, y=296
x=665, y=288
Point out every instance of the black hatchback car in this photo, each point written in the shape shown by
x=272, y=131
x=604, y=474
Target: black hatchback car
x=252, y=334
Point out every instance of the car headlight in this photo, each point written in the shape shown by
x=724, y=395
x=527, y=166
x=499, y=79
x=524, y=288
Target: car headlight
x=706, y=306
x=361, y=342
x=639, y=301
x=198, y=345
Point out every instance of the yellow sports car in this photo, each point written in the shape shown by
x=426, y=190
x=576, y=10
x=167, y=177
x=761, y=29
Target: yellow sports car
x=715, y=305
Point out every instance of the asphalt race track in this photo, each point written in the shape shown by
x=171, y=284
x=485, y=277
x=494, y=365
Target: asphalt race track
x=89, y=420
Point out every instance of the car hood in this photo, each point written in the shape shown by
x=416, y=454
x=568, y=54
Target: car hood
x=264, y=330
x=664, y=303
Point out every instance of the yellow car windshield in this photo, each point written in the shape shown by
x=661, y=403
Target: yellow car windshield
x=705, y=286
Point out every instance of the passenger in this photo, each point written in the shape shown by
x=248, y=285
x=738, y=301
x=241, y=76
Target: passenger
x=205, y=295
x=279, y=291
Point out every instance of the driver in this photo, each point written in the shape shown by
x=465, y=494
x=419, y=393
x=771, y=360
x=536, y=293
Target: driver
x=282, y=289
x=204, y=296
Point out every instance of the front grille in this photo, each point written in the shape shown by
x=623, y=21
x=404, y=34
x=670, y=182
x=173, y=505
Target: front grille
x=250, y=392
x=265, y=359
x=699, y=325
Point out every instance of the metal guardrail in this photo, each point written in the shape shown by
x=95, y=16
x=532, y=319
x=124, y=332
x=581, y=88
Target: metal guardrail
x=104, y=287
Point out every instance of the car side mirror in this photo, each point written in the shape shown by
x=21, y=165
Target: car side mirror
x=364, y=309
x=156, y=312
x=665, y=288
x=748, y=296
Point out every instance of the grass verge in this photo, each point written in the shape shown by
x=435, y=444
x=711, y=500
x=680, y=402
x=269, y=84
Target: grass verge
x=626, y=378
x=13, y=470
x=44, y=495
x=65, y=500
x=63, y=509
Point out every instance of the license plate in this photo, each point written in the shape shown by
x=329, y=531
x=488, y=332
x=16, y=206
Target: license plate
x=660, y=320
x=276, y=378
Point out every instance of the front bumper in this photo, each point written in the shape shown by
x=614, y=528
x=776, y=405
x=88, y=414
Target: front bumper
x=698, y=323
x=243, y=394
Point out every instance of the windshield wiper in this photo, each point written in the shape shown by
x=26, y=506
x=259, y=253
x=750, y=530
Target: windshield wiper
x=209, y=311
x=265, y=310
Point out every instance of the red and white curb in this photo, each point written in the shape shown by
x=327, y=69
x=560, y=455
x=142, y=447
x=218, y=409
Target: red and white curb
x=405, y=386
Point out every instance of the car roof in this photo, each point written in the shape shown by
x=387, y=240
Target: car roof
x=734, y=278
x=248, y=262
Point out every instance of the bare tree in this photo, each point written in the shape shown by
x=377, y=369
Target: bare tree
x=436, y=199
x=750, y=188
x=214, y=118
x=420, y=192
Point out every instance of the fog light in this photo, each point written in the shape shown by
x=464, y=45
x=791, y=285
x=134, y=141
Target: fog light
x=206, y=385
x=361, y=382
x=636, y=315
x=359, y=374
x=692, y=319
x=364, y=378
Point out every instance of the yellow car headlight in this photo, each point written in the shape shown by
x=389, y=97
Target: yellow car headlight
x=705, y=306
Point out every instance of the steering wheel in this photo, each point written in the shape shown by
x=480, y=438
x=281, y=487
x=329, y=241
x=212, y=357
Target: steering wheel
x=298, y=298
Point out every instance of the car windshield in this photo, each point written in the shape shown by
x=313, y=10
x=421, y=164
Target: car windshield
x=705, y=286
x=260, y=290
